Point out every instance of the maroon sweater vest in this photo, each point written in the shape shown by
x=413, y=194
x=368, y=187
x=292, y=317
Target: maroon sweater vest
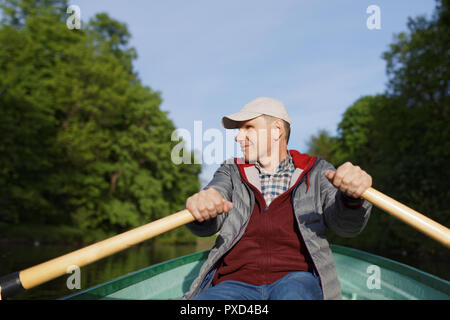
x=270, y=247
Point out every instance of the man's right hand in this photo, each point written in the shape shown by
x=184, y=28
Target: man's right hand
x=207, y=204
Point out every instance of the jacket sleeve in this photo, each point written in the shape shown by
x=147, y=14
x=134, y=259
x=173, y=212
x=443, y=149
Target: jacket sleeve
x=341, y=215
x=222, y=183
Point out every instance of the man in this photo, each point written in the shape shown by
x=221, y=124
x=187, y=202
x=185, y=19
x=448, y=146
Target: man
x=271, y=210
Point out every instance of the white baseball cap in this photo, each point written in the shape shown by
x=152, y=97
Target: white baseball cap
x=255, y=108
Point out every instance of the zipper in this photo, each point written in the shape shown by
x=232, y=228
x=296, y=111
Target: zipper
x=264, y=216
x=265, y=256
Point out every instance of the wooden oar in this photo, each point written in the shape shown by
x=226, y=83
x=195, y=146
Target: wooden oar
x=417, y=220
x=28, y=278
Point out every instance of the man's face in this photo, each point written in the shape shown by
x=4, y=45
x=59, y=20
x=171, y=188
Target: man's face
x=255, y=138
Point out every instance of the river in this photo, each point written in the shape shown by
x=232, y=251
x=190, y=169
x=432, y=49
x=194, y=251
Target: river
x=18, y=257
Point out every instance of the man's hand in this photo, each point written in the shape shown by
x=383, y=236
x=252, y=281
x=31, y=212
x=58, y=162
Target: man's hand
x=350, y=179
x=207, y=204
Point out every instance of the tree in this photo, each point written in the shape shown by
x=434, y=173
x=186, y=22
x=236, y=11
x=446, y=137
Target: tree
x=83, y=142
x=418, y=67
x=402, y=138
x=323, y=145
x=15, y=12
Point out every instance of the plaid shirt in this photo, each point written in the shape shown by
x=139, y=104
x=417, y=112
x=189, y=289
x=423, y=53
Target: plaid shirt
x=272, y=185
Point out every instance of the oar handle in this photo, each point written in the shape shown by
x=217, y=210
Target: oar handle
x=34, y=276
x=408, y=215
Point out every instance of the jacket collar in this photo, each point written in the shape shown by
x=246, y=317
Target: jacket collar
x=302, y=162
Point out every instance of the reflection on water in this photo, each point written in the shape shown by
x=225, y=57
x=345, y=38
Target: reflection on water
x=15, y=258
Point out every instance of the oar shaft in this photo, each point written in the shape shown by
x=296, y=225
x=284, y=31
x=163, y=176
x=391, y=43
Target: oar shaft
x=54, y=268
x=408, y=215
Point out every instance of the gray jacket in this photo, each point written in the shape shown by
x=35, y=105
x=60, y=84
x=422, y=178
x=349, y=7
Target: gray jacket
x=314, y=210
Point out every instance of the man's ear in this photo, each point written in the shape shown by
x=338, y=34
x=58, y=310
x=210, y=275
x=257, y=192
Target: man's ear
x=278, y=129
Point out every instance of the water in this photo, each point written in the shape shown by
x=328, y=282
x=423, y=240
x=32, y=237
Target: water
x=18, y=257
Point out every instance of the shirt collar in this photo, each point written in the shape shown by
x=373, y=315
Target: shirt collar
x=286, y=164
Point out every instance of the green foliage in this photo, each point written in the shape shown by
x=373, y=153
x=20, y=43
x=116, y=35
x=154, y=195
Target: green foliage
x=323, y=145
x=83, y=142
x=402, y=137
x=15, y=12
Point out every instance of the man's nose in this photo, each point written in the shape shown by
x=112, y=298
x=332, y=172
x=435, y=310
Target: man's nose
x=240, y=136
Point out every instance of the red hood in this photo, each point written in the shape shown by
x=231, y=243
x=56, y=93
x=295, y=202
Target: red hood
x=301, y=160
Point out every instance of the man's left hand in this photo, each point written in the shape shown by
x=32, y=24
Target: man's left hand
x=350, y=179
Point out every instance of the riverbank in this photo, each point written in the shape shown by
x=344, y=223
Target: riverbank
x=41, y=234
x=35, y=235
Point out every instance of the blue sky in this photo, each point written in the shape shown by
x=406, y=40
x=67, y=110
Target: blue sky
x=209, y=58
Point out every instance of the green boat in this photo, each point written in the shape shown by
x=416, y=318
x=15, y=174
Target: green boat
x=363, y=276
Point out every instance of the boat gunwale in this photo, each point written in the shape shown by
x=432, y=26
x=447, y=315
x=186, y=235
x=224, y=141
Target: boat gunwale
x=423, y=277
x=137, y=276
x=104, y=289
